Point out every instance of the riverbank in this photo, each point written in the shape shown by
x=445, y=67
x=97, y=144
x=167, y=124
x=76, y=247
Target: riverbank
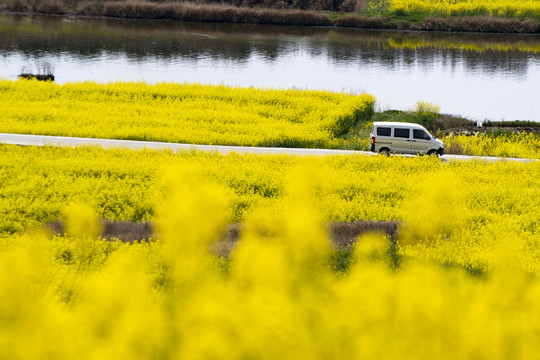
x=347, y=16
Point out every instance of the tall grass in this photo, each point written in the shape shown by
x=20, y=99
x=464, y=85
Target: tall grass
x=213, y=13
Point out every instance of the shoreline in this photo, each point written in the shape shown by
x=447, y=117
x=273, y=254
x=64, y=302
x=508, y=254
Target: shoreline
x=214, y=13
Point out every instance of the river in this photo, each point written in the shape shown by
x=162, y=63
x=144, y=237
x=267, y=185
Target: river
x=493, y=77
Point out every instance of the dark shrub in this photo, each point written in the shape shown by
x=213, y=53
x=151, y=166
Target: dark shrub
x=444, y=122
x=90, y=8
x=348, y=5
x=17, y=5
x=48, y=6
x=301, y=4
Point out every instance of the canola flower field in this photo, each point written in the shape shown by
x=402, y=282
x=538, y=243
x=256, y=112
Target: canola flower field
x=446, y=8
x=523, y=145
x=39, y=182
x=213, y=115
x=463, y=281
x=460, y=279
x=182, y=113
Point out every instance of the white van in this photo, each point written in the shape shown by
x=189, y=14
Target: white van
x=403, y=138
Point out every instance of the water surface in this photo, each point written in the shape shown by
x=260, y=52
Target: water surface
x=479, y=76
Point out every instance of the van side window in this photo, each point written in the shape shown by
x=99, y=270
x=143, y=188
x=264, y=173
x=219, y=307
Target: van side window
x=420, y=134
x=383, y=131
x=401, y=133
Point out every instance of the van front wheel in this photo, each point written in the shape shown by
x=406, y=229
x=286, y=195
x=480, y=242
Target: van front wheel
x=433, y=153
x=384, y=151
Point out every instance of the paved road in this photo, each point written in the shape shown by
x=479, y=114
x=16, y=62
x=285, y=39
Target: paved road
x=40, y=140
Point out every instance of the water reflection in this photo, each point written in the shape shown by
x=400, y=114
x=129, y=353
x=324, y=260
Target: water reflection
x=483, y=76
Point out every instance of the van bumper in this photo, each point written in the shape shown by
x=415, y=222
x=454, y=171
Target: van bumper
x=372, y=148
x=441, y=151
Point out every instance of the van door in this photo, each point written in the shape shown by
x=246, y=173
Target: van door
x=401, y=142
x=421, y=142
x=383, y=138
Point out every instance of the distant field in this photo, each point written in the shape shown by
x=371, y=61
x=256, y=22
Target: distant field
x=183, y=113
x=452, y=8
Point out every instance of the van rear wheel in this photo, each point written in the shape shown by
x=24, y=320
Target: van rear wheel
x=384, y=151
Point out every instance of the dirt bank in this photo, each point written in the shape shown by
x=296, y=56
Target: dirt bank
x=342, y=234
